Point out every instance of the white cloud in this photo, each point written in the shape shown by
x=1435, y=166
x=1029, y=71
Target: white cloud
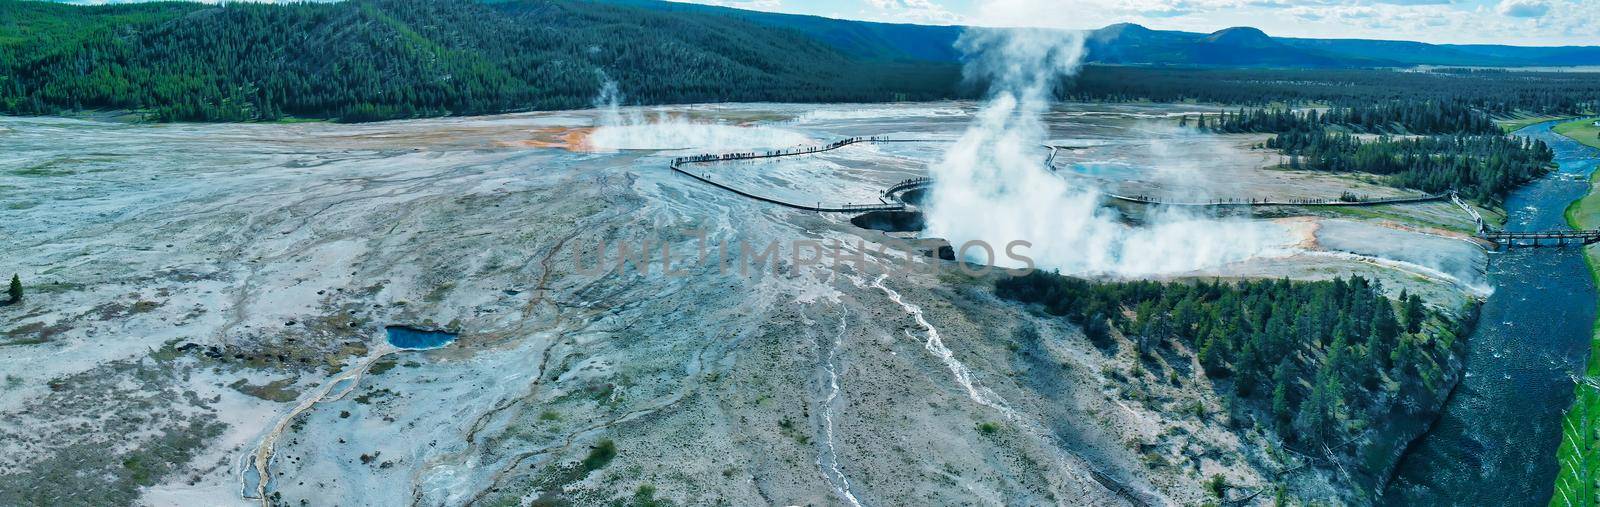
x=915, y=11
x=1524, y=22
x=1523, y=8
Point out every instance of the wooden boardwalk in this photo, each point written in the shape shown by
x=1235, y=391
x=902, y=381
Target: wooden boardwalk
x=898, y=189
x=889, y=202
x=1527, y=239
x=1223, y=203
x=892, y=198
x=1534, y=239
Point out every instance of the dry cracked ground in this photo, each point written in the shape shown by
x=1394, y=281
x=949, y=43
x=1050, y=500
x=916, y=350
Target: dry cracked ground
x=207, y=302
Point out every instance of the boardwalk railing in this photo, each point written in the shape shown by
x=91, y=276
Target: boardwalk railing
x=679, y=162
x=892, y=202
x=1508, y=239
x=1483, y=227
x=801, y=150
x=1145, y=199
x=1050, y=161
x=895, y=190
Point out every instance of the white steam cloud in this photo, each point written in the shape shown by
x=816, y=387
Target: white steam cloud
x=877, y=113
x=992, y=185
x=635, y=130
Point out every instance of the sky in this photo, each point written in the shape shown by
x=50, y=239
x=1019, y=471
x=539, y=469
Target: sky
x=1517, y=22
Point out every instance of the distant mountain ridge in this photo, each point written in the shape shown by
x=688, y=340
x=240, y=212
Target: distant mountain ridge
x=1133, y=44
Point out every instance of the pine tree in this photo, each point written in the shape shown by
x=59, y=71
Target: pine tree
x=1316, y=356
x=1218, y=485
x=1282, y=410
x=16, y=289
x=1414, y=313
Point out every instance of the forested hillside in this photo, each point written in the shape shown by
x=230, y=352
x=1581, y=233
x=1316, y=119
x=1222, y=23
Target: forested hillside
x=376, y=59
x=1461, y=148
x=1400, y=117
x=1483, y=168
x=880, y=41
x=1132, y=44
x=380, y=59
x=1322, y=363
x=1491, y=91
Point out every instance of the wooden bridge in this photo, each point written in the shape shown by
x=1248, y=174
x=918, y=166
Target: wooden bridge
x=1508, y=239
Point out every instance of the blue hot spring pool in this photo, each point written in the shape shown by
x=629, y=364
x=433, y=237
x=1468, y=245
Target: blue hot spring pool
x=410, y=338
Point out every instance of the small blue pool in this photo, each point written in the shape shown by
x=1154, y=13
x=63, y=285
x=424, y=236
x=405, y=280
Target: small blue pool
x=1104, y=169
x=410, y=338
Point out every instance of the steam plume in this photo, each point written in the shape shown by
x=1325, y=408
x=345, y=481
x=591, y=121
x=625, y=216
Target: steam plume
x=635, y=130
x=992, y=184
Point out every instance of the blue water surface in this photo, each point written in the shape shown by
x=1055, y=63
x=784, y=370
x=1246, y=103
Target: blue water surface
x=411, y=338
x=1496, y=442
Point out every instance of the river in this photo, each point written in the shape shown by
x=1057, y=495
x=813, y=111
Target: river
x=1495, y=443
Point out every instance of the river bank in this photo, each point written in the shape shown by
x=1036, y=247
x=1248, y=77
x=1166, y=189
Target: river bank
x=1583, y=130
x=1575, y=483
x=1495, y=442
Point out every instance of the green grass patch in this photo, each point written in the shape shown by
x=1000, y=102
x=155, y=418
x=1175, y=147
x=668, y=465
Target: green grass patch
x=600, y=456
x=1583, y=131
x=292, y=119
x=645, y=496
x=988, y=428
x=376, y=394
x=382, y=366
x=25, y=341
x=1579, y=453
x=281, y=390
x=1584, y=213
x=1519, y=121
